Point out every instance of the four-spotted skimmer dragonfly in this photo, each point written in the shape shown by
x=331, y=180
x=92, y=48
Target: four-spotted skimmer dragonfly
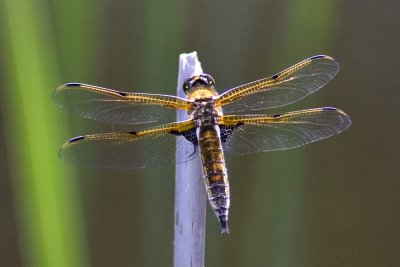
x=211, y=127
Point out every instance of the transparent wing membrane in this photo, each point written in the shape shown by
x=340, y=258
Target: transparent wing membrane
x=243, y=134
x=281, y=89
x=112, y=106
x=140, y=149
x=259, y=133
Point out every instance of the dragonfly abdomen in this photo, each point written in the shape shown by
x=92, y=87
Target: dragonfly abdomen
x=215, y=173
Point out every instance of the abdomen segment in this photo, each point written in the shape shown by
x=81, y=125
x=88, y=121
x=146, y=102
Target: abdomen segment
x=215, y=173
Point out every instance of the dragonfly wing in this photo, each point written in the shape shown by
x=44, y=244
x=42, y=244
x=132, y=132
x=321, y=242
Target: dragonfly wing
x=119, y=107
x=259, y=133
x=283, y=88
x=152, y=147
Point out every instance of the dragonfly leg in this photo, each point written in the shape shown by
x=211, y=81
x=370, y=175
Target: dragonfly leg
x=195, y=149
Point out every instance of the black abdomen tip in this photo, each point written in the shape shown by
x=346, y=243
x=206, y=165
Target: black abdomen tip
x=224, y=225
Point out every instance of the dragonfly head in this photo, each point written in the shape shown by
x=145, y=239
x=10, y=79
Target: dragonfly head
x=201, y=80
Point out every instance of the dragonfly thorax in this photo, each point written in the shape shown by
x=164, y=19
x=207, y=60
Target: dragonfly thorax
x=205, y=112
x=206, y=129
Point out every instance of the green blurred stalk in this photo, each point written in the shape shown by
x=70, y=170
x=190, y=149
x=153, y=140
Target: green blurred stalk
x=279, y=195
x=308, y=32
x=50, y=230
x=309, y=28
x=162, y=42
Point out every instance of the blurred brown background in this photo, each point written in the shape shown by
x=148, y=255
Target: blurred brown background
x=331, y=203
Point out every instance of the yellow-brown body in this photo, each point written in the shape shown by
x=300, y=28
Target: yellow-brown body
x=207, y=128
x=207, y=115
x=215, y=173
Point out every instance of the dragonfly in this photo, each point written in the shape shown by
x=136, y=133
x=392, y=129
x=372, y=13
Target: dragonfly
x=215, y=123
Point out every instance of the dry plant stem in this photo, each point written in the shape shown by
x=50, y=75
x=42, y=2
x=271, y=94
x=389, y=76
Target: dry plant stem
x=190, y=193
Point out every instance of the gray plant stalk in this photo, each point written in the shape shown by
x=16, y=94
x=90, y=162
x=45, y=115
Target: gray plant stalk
x=190, y=192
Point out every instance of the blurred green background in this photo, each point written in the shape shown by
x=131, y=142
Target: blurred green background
x=331, y=203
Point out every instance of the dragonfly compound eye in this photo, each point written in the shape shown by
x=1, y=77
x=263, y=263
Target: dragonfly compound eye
x=208, y=79
x=186, y=86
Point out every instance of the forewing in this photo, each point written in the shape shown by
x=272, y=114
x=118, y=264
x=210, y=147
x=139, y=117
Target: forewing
x=283, y=88
x=119, y=107
x=139, y=149
x=259, y=133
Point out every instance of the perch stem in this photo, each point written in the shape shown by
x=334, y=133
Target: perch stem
x=190, y=194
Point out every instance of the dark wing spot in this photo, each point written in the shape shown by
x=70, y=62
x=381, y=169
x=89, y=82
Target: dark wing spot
x=329, y=108
x=277, y=115
x=317, y=57
x=122, y=93
x=73, y=84
x=75, y=139
x=133, y=133
x=276, y=76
